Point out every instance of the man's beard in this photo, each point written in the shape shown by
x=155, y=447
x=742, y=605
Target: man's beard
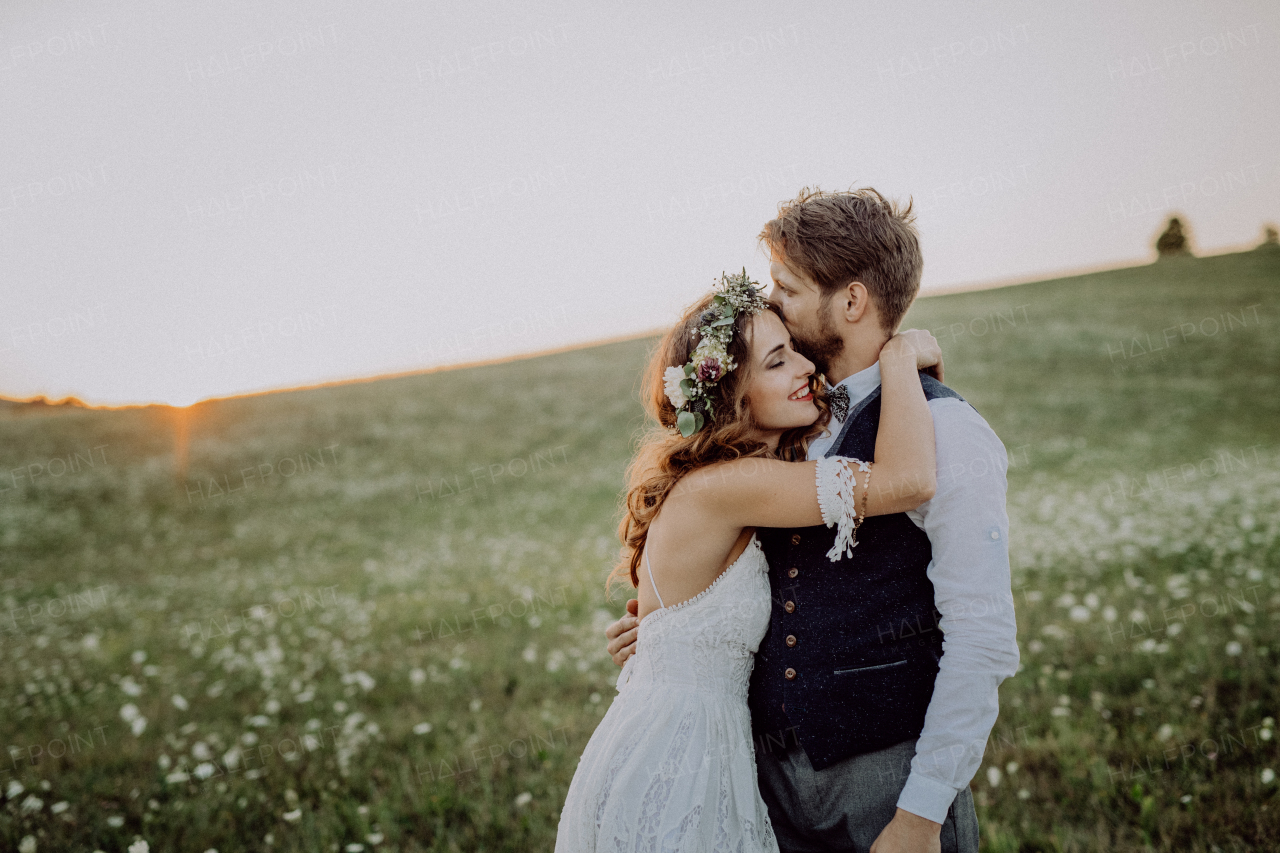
x=824, y=344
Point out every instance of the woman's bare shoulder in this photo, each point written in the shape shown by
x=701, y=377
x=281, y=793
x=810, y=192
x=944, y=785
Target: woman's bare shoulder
x=729, y=474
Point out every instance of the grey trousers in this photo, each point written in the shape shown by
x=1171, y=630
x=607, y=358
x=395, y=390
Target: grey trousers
x=844, y=807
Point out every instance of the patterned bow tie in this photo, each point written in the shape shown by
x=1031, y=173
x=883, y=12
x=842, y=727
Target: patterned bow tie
x=838, y=397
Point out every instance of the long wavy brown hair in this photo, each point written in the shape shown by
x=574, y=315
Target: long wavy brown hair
x=664, y=456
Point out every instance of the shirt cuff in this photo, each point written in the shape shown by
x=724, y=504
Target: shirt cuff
x=926, y=797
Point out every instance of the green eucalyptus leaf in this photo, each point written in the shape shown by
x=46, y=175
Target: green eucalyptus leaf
x=686, y=387
x=698, y=421
x=688, y=370
x=687, y=423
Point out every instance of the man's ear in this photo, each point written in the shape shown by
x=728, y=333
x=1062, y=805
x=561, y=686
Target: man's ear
x=853, y=302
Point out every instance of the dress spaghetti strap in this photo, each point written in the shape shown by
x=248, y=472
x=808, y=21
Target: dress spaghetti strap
x=651, y=583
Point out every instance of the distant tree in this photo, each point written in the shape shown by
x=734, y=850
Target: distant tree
x=1270, y=238
x=1173, y=241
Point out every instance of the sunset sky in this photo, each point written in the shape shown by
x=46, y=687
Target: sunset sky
x=205, y=199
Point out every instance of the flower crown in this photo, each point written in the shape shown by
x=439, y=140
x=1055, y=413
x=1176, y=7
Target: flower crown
x=689, y=387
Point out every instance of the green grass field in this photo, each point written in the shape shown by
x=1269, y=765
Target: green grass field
x=369, y=617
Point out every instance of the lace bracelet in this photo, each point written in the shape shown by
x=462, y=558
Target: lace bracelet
x=837, y=498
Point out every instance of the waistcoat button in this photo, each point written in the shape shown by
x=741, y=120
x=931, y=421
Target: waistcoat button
x=793, y=572
x=795, y=538
x=791, y=640
x=790, y=607
x=790, y=674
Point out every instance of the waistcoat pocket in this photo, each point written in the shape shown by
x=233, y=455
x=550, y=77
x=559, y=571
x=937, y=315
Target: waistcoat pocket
x=869, y=668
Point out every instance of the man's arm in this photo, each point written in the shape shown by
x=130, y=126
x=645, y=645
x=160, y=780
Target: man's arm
x=622, y=634
x=968, y=530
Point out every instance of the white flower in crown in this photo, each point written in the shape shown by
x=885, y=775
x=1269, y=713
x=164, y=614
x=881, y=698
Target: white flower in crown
x=671, y=379
x=689, y=388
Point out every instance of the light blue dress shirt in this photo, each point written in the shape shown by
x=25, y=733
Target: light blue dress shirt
x=968, y=531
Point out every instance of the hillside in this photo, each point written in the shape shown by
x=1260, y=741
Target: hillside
x=442, y=540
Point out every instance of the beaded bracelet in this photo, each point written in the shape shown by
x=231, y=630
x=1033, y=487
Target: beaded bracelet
x=866, y=489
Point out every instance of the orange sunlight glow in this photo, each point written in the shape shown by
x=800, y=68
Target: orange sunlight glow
x=181, y=441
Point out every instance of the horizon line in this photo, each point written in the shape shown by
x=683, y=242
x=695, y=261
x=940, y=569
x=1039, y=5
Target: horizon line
x=971, y=287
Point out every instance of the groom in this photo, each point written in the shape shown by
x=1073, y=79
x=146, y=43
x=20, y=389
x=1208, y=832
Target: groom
x=876, y=687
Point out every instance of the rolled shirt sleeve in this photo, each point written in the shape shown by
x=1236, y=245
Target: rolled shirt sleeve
x=968, y=531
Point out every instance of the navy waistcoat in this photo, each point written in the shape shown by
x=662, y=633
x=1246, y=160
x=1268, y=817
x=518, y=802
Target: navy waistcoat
x=848, y=663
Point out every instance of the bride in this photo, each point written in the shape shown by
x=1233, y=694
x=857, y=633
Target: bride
x=671, y=767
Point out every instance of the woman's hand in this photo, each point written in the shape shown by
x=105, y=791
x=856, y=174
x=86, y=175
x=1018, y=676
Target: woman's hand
x=918, y=343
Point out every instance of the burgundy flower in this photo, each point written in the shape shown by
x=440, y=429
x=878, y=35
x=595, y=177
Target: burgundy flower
x=709, y=370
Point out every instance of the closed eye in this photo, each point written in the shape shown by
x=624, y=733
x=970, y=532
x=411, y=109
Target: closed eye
x=791, y=345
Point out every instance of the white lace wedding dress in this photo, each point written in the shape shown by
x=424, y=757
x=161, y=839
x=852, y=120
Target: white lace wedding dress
x=671, y=767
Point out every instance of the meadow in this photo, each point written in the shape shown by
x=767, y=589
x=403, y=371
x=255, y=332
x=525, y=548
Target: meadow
x=370, y=617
